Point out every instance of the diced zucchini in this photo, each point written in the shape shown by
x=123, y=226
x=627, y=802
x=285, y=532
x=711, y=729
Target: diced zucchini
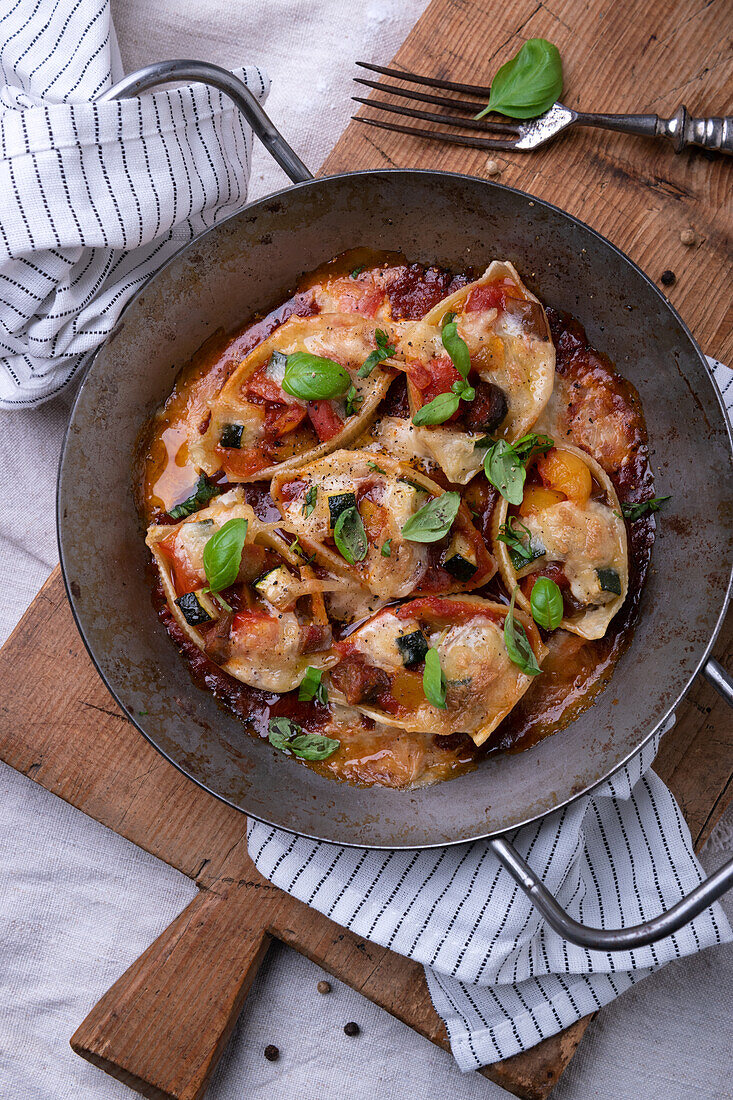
x=231, y=436
x=609, y=581
x=412, y=647
x=459, y=559
x=278, y=586
x=521, y=561
x=192, y=611
x=338, y=503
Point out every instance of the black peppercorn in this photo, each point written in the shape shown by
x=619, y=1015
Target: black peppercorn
x=668, y=278
x=351, y=1029
x=324, y=987
x=271, y=1053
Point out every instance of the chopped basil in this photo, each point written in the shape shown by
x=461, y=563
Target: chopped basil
x=521, y=553
x=412, y=647
x=456, y=347
x=350, y=536
x=357, y=271
x=288, y=736
x=231, y=436
x=437, y=411
x=609, y=581
x=434, y=520
x=377, y=469
x=433, y=680
x=298, y=549
x=314, y=378
x=528, y=84
x=382, y=351
x=203, y=492
x=387, y=548
x=546, y=603
x=312, y=687
x=353, y=400
x=517, y=643
x=191, y=609
x=223, y=554
x=310, y=500
x=643, y=508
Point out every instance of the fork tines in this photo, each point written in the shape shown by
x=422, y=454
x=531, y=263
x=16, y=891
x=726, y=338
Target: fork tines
x=465, y=120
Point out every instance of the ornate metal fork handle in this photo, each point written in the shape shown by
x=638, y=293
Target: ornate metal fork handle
x=681, y=129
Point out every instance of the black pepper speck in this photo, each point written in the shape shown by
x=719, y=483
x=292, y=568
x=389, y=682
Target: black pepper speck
x=668, y=278
x=351, y=1028
x=272, y=1053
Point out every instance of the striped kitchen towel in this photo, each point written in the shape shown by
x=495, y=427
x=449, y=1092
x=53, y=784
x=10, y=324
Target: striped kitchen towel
x=95, y=197
x=499, y=976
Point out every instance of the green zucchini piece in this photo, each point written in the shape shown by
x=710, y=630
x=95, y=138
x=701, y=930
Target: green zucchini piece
x=412, y=647
x=276, y=585
x=609, y=581
x=192, y=610
x=338, y=503
x=459, y=559
x=231, y=436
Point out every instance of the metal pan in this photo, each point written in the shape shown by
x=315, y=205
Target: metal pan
x=249, y=263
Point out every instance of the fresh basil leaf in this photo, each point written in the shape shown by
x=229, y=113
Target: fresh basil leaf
x=440, y=409
x=517, y=643
x=529, y=84
x=433, y=680
x=298, y=549
x=289, y=737
x=350, y=536
x=505, y=470
x=312, y=687
x=455, y=345
x=314, y=378
x=521, y=553
x=532, y=442
x=434, y=520
x=223, y=554
x=382, y=351
x=357, y=271
x=643, y=508
x=546, y=603
x=310, y=500
x=377, y=469
x=387, y=548
x=353, y=400
x=203, y=492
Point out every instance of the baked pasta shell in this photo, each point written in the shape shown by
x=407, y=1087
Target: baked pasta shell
x=592, y=623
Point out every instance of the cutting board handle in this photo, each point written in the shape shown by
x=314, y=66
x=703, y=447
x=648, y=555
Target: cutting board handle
x=162, y=1027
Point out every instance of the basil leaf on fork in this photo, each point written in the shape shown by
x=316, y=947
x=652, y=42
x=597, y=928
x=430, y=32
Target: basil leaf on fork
x=528, y=84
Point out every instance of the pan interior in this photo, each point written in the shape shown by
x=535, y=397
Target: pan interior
x=249, y=263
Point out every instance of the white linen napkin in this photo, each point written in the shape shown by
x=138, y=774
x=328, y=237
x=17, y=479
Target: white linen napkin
x=95, y=197
x=499, y=976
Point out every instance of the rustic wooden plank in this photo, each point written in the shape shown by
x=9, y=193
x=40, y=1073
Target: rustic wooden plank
x=70, y=737
x=618, y=56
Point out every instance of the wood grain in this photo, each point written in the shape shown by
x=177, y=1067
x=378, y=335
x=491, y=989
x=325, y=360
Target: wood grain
x=163, y=1025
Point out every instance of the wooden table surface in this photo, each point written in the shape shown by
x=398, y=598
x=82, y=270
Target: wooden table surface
x=59, y=726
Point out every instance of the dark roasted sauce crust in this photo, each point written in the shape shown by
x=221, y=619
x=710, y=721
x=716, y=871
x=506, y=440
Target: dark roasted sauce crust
x=574, y=671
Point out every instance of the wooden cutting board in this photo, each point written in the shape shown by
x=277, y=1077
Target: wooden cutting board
x=163, y=1025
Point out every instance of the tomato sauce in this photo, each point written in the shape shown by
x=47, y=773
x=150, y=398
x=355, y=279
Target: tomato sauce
x=574, y=671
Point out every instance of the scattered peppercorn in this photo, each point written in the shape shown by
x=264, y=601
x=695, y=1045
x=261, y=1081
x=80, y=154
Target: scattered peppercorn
x=271, y=1053
x=688, y=236
x=492, y=167
x=668, y=278
x=351, y=1029
x=324, y=987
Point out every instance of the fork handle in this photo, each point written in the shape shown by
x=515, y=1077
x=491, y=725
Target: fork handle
x=681, y=129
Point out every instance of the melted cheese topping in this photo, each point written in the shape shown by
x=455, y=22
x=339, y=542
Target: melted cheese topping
x=584, y=538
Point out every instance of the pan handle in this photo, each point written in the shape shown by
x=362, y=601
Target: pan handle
x=638, y=935
x=163, y=72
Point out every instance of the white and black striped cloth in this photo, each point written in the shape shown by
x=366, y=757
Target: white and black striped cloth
x=499, y=976
x=94, y=197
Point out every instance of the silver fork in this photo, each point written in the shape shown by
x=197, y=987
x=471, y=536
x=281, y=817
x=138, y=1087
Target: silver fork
x=715, y=134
